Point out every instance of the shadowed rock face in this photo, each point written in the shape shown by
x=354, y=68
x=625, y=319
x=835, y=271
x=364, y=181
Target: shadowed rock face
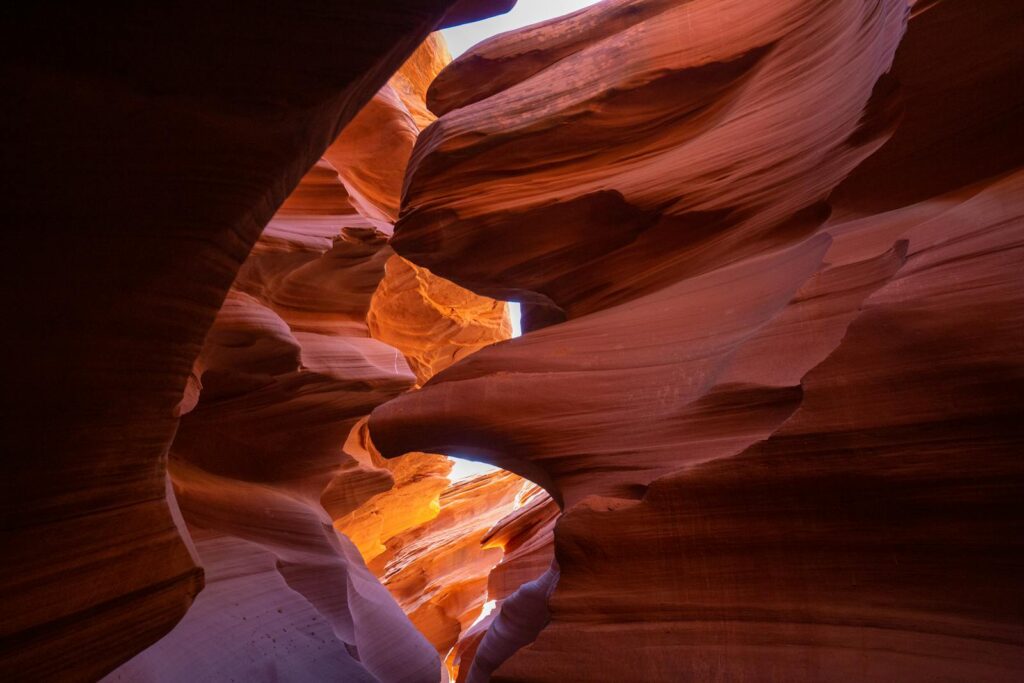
x=781, y=413
x=147, y=147
x=273, y=459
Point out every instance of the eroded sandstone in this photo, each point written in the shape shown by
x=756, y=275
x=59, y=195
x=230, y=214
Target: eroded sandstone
x=759, y=414
x=768, y=398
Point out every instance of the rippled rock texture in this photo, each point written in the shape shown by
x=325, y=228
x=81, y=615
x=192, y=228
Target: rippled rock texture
x=768, y=400
x=770, y=254
x=273, y=459
x=148, y=147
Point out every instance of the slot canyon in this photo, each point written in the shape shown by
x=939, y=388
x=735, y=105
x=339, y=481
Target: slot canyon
x=270, y=418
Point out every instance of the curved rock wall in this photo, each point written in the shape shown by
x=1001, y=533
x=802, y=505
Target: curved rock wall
x=780, y=416
x=148, y=146
x=643, y=142
x=273, y=458
x=768, y=255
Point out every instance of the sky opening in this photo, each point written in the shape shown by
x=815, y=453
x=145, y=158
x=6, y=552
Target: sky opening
x=515, y=316
x=526, y=12
x=467, y=469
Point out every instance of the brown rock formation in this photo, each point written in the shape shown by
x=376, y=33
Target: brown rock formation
x=145, y=153
x=784, y=444
x=881, y=513
x=769, y=398
x=286, y=373
x=147, y=148
x=273, y=453
x=641, y=158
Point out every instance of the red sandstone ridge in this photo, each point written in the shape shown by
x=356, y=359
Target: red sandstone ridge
x=662, y=158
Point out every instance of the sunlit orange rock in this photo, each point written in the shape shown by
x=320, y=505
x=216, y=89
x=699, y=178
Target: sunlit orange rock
x=432, y=321
x=372, y=151
x=438, y=571
x=411, y=81
x=526, y=539
x=518, y=587
x=413, y=499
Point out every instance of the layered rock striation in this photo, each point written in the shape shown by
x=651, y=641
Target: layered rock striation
x=145, y=154
x=148, y=148
x=780, y=415
x=272, y=459
x=768, y=399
